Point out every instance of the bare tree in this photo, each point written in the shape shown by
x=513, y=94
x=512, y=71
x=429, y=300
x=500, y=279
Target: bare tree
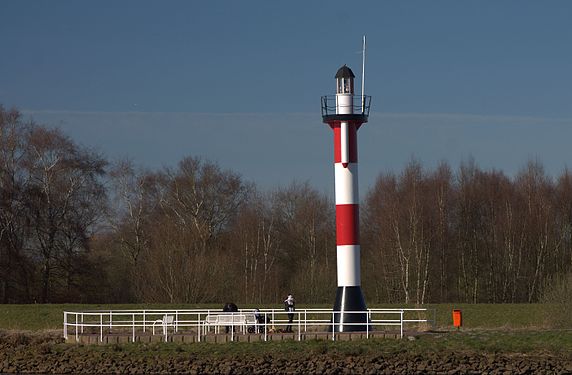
x=563, y=202
x=256, y=233
x=405, y=230
x=539, y=216
x=197, y=202
x=131, y=216
x=202, y=197
x=383, y=270
x=15, y=263
x=441, y=198
x=65, y=199
x=306, y=223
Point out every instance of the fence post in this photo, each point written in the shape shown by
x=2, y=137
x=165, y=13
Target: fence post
x=144, y=321
x=367, y=324
x=333, y=326
x=176, y=320
x=133, y=322
x=101, y=326
x=232, y=328
x=65, y=325
x=300, y=327
x=401, y=325
x=165, y=327
x=76, y=330
x=82, y=323
x=266, y=327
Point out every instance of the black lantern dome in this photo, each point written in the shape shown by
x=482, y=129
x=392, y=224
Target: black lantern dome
x=345, y=72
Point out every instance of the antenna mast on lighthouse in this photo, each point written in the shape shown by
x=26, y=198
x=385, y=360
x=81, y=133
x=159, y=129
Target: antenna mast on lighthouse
x=363, y=78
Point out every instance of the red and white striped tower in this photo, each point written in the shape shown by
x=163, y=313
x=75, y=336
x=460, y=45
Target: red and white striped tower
x=345, y=113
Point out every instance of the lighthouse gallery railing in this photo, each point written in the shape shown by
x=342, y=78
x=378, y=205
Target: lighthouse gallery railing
x=360, y=105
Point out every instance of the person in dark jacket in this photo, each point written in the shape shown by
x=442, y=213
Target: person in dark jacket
x=290, y=306
x=229, y=307
x=259, y=320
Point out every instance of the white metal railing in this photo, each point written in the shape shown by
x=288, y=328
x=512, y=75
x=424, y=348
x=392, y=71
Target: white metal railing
x=330, y=104
x=199, y=322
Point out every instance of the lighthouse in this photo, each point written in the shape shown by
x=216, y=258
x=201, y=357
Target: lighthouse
x=345, y=113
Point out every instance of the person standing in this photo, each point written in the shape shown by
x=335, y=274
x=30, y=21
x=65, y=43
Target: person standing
x=290, y=306
x=260, y=321
x=229, y=307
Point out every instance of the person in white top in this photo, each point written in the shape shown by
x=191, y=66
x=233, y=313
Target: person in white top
x=290, y=306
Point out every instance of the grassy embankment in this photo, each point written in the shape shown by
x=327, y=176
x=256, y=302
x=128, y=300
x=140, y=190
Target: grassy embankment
x=489, y=328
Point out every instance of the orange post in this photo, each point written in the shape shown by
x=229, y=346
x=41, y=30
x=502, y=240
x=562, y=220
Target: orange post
x=457, y=318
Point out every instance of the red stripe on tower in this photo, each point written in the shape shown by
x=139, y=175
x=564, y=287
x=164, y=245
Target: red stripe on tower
x=347, y=224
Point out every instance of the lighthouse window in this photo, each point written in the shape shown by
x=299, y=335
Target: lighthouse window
x=344, y=86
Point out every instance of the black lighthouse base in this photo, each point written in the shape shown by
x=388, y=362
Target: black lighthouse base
x=347, y=310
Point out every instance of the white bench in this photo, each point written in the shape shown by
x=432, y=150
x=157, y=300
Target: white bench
x=242, y=320
x=168, y=320
x=211, y=320
x=250, y=319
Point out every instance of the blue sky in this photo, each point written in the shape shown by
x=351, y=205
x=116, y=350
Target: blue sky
x=239, y=82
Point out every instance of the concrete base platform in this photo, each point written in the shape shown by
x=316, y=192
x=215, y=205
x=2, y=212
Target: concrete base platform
x=189, y=338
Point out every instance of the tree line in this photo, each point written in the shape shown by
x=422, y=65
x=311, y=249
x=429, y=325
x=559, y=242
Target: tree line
x=75, y=227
